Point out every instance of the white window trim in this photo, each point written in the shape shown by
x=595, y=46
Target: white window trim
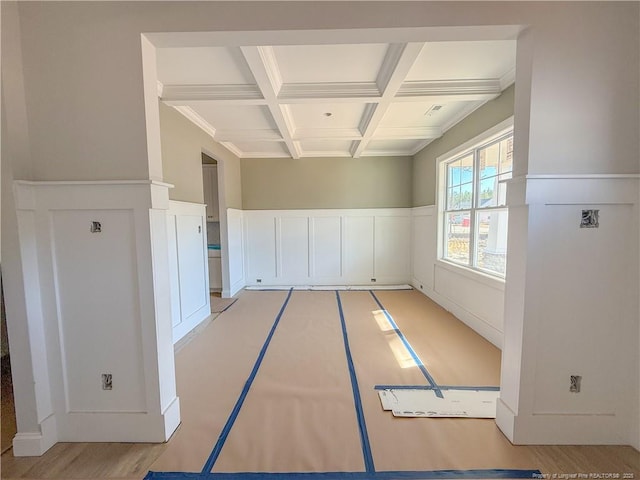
x=495, y=131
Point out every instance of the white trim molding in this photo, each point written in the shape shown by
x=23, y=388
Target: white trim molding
x=82, y=243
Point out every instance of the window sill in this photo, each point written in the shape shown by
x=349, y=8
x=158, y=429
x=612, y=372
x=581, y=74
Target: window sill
x=475, y=275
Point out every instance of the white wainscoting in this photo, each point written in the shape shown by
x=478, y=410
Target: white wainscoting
x=190, y=301
x=98, y=303
x=474, y=298
x=327, y=247
x=571, y=309
x=235, y=249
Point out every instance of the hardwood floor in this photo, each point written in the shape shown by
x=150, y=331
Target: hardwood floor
x=84, y=461
x=7, y=410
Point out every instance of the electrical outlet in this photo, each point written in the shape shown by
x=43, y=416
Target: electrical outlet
x=373, y=280
x=574, y=383
x=258, y=280
x=96, y=227
x=107, y=381
x=589, y=219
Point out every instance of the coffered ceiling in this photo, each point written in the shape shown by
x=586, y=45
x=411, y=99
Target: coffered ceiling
x=347, y=100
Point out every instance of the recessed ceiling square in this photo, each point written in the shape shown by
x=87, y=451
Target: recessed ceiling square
x=234, y=117
x=330, y=63
x=203, y=66
x=262, y=149
x=464, y=60
x=326, y=147
x=326, y=115
x=424, y=114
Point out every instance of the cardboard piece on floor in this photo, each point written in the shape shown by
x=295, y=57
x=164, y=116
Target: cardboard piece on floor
x=425, y=403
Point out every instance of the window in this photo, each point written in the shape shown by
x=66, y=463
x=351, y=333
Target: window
x=473, y=198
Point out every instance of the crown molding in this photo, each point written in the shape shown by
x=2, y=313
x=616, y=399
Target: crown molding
x=464, y=113
x=189, y=113
x=508, y=79
x=232, y=148
x=421, y=146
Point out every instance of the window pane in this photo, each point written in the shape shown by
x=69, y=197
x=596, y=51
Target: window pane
x=466, y=195
x=453, y=198
x=488, y=159
x=466, y=169
x=457, y=235
x=506, y=155
x=453, y=173
x=491, y=240
x=488, y=196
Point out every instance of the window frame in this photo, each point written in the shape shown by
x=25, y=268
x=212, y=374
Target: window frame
x=487, y=138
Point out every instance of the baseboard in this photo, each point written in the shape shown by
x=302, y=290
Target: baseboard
x=138, y=427
x=481, y=327
x=567, y=429
x=192, y=322
x=171, y=416
x=36, y=444
x=235, y=288
x=505, y=419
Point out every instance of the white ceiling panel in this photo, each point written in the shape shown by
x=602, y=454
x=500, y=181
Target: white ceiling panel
x=464, y=60
x=326, y=147
x=423, y=114
x=333, y=100
x=235, y=117
x=392, y=147
x=327, y=115
x=330, y=63
x=203, y=65
x=261, y=149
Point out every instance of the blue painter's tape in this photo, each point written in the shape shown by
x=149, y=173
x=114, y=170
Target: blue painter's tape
x=229, y=306
x=387, y=475
x=441, y=387
x=409, y=348
x=236, y=409
x=364, y=436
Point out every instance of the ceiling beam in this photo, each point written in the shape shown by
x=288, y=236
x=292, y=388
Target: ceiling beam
x=309, y=93
x=248, y=94
x=450, y=88
x=353, y=91
x=261, y=62
x=395, y=68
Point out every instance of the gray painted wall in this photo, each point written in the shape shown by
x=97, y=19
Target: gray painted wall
x=424, y=162
x=182, y=147
x=284, y=183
